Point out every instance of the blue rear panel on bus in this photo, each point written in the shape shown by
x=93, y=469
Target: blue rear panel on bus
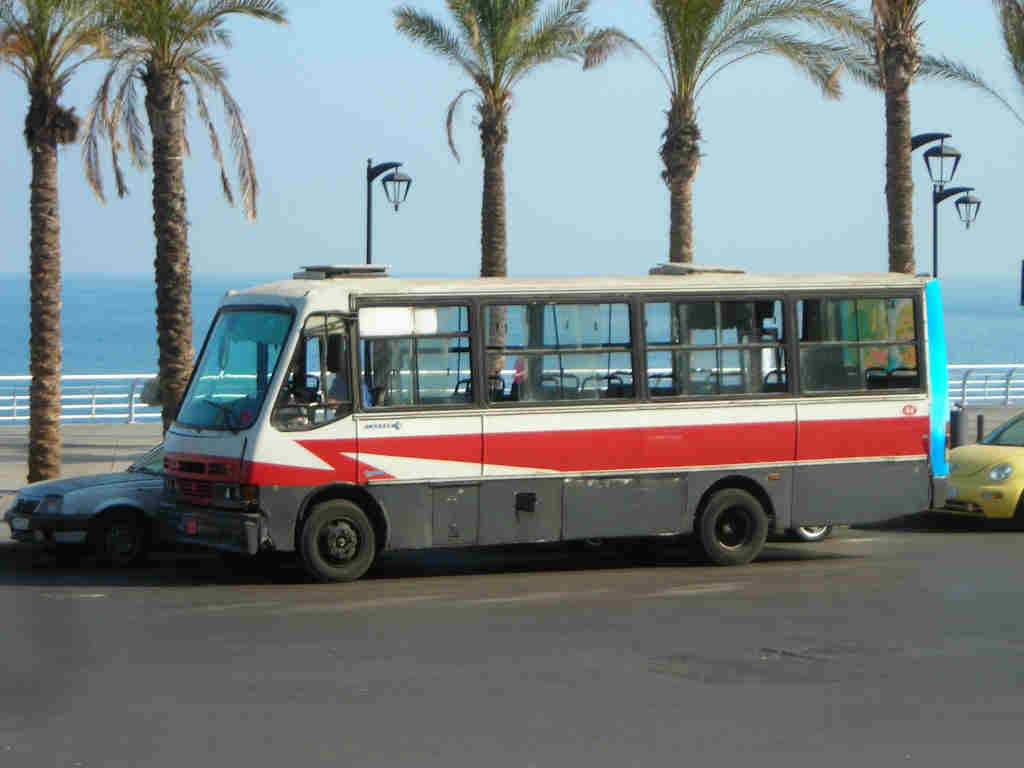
x=939, y=378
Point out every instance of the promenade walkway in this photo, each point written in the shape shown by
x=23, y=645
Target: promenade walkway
x=88, y=449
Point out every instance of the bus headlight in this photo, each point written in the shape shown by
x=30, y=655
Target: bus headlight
x=1000, y=472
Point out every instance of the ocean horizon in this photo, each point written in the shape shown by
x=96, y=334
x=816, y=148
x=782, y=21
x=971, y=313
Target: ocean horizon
x=109, y=323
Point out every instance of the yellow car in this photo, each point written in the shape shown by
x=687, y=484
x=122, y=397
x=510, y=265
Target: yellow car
x=986, y=479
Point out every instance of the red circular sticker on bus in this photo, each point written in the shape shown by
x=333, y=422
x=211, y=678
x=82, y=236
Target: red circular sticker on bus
x=909, y=410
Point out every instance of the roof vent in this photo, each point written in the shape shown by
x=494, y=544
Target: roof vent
x=675, y=268
x=334, y=271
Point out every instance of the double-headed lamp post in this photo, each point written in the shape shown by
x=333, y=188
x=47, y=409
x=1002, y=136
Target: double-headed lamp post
x=396, y=187
x=942, y=162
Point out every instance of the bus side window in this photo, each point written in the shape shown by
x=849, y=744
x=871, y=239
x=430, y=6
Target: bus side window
x=857, y=344
x=317, y=388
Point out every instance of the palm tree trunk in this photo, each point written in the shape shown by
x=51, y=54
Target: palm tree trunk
x=493, y=241
x=165, y=108
x=680, y=153
x=44, y=442
x=898, y=61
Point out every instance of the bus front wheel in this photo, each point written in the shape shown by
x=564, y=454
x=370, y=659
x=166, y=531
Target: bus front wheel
x=733, y=527
x=337, y=542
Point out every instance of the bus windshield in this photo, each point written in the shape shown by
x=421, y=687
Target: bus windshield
x=234, y=372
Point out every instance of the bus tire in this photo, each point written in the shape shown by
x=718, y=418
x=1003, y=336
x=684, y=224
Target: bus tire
x=733, y=527
x=337, y=542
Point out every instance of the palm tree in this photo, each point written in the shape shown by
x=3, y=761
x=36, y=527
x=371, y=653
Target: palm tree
x=702, y=38
x=898, y=58
x=164, y=45
x=497, y=43
x=44, y=42
x=897, y=61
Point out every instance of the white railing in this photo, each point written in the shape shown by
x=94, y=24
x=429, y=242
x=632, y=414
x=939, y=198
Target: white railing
x=986, y=384
x=83, y=397
x=118, y=396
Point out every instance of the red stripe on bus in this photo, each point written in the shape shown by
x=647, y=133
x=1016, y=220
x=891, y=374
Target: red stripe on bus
x=859, y=438
x=601, y=450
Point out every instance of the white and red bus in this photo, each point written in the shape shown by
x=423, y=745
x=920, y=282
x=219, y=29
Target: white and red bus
x=343, y=412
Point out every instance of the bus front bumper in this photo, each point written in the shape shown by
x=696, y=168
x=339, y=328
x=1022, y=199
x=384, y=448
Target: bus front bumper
x=220, y=529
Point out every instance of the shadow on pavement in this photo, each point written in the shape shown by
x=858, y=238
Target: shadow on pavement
x=21, y=565
x=937, y=522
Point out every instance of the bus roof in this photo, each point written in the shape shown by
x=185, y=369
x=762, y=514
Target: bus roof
x=346, y=292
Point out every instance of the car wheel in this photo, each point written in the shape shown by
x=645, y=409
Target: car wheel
x=337, y=542
x=733, y=527
x=812, y=532
x=121, y=539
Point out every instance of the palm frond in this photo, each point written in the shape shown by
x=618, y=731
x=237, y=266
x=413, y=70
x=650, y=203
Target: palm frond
x=559, y=35
x=605, y=43
x=243, y=153
x=127, y=115
x=744, y=18
x=203, y=67
x=450, y=119
x=435, y=36
x=819, y=61
x=204, y=114
x=101, y=121
x=265, y=10
x=941, y=68
x=465, y=17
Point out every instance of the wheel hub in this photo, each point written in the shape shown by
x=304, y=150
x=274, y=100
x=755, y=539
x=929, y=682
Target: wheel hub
x=121, y=540
x=733, y=528
x=339, y=541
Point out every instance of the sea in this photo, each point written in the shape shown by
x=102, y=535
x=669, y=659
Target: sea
x=109, y=323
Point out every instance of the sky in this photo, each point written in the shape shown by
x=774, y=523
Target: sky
x=788, y=182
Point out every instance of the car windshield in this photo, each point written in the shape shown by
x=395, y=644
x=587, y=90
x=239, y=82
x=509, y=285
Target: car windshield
x=234, y=371
x=152, y=462
x=1010, y=433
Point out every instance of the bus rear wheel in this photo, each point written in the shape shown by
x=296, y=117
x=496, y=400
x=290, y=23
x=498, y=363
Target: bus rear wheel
x=733, y=527
x=337, y=542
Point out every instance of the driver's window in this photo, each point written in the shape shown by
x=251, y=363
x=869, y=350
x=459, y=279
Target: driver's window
x=318, y=384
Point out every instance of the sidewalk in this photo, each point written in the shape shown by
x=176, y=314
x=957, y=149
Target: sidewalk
x=88, y=449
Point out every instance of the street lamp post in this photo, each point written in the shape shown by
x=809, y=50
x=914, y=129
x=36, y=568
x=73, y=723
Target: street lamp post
x=396, y=188
x=938, y=195
x=942, y=162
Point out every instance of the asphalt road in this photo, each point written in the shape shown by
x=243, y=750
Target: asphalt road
x=875, y=647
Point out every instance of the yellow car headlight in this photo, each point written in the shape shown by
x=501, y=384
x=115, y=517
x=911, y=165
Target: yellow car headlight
x=1000, y=472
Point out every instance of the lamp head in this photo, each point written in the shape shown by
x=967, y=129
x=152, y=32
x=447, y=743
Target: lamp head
x=967, y=208
x=396, y=186
x=942, y=162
